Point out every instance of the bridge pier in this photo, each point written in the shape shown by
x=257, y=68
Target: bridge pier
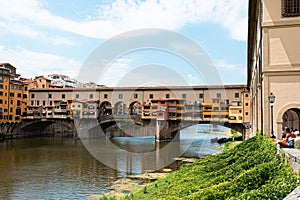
x=166, y=130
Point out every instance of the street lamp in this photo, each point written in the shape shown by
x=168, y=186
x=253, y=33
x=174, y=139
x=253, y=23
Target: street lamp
x=271, y=98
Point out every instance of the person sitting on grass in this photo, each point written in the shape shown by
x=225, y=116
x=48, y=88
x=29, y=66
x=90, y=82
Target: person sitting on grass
x=288, y=141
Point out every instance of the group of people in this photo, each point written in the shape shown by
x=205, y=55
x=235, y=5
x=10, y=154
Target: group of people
x=289, y=136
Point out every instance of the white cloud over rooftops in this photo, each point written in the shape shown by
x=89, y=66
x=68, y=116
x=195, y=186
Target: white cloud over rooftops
x=30, y=64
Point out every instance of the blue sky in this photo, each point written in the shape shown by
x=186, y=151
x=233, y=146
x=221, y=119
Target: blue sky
x=42, y=37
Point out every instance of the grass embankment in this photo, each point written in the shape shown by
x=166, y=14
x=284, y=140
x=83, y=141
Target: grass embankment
x=250, y=170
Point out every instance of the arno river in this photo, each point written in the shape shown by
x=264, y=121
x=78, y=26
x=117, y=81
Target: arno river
x=63, y=168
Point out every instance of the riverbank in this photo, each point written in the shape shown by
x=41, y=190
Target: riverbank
x=250, y=170
x=131, y=183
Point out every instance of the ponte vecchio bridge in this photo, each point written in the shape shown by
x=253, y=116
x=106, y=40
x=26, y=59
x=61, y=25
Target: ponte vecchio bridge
x=165, y=109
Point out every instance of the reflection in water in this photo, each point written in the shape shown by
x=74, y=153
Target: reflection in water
x=61, y=168
x=50, y=168
x=135, y=144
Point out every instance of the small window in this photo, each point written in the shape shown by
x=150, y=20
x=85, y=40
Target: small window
x=91, y=106
x=31, y=103
x=37, y=102
x=44, y=103
x=135, y=96
x=24, y=96
x=246, y=95
x=50, y=96
x=201, y=95
x=290, y=8
x=63, y=96
x=236, y=95
x=219, y=96
x=183, y=96
x=32, y=96
x=120, y=96
x=167, y=96
x=11, y=94
x=247, y=113
x=26, y=88
x=105, y=96
x=50, y=103
x=19, y=95
x=247, y=104
x=91, y=96
x=1, y=86
x=77, y=96
x=189, y=107
x=150, y=96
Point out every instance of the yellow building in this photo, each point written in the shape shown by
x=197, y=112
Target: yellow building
x=42, y=82
x=12, y=103
x=4, y=88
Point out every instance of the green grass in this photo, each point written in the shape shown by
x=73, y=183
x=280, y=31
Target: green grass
x=249, y=170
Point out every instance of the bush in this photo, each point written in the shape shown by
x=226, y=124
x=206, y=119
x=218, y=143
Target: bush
x=250, y=170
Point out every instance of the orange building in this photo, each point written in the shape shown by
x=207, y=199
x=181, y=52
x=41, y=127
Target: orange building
x=12, y=103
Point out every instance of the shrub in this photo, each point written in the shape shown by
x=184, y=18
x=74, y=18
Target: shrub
x=250, y=170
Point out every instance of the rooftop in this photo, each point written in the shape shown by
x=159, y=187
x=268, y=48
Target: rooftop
x=151, y=88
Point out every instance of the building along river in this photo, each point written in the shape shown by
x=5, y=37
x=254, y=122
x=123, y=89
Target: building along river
x=63, y=168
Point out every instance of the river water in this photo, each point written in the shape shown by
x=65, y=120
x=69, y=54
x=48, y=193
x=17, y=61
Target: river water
x=64, y=168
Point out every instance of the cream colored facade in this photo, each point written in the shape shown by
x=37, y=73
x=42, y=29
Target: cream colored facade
x=274, y=64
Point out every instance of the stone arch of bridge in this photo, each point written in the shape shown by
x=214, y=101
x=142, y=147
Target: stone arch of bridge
x=182, y=125
x=135, y=108
x=36, y=125
x=105, y=108
x=12, y=127
x=120, y=108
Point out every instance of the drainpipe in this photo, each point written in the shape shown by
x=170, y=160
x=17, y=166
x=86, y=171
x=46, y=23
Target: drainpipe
x=260, y=68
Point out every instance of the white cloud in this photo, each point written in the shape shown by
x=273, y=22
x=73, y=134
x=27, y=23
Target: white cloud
x=121, y=15
x=194, y=80
x=222, y=64
x=32, y=33
x=58, y=40
x=30, y=64
x=115, y=72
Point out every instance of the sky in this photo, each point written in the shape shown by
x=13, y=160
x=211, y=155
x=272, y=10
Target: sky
x=127, y=42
